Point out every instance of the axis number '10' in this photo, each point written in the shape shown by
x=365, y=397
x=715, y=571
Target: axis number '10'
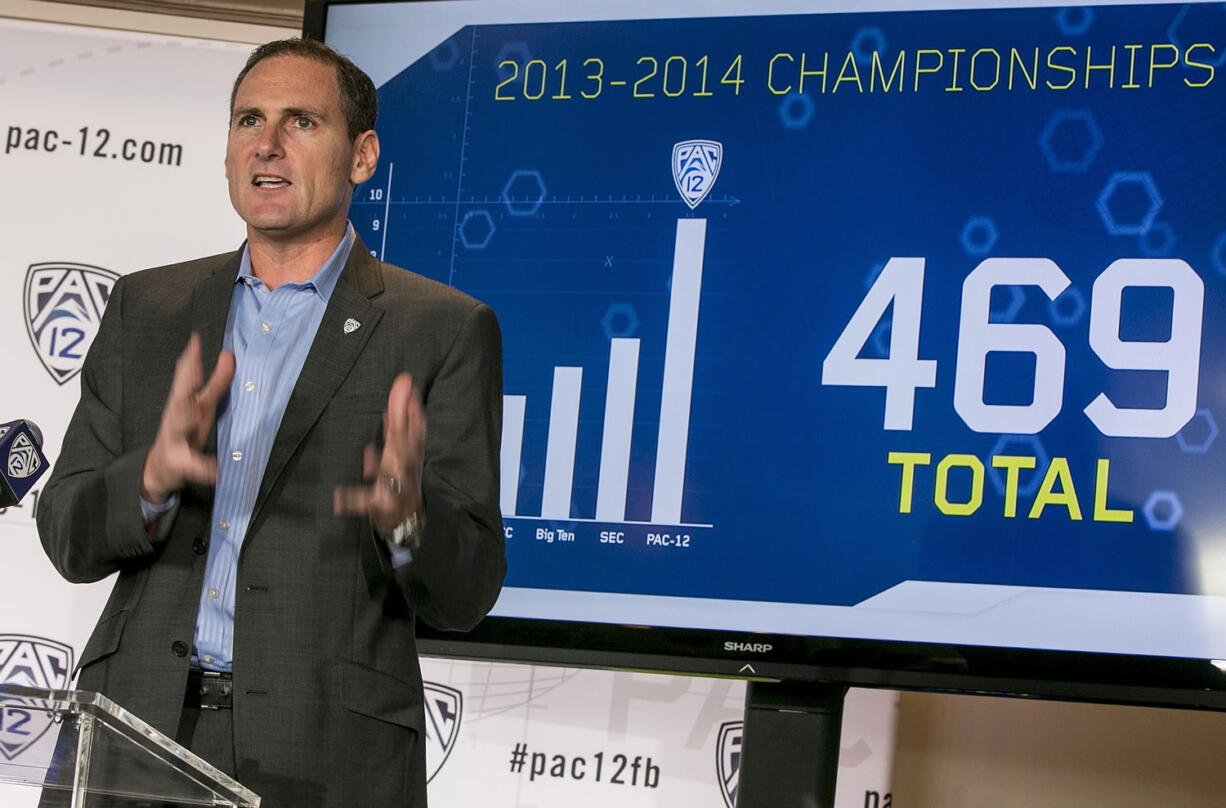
x=901, y=282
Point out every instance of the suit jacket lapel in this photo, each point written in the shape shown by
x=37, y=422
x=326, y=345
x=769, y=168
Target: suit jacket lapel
x=332, y=354
x=210, y=311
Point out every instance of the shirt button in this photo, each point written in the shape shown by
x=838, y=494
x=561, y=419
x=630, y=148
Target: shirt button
x=249, y=386
x=224, y=524
x=266, y=326
x=207, y=658
x=236, y=456
x=213, y=593
x=179, y=648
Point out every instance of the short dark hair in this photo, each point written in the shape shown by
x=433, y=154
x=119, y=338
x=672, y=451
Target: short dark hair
x=359, y=101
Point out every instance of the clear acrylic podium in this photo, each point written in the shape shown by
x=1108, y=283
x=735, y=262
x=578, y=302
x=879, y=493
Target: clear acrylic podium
x=85, y=751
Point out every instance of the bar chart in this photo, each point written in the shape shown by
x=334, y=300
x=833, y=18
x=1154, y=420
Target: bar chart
x=621, y=393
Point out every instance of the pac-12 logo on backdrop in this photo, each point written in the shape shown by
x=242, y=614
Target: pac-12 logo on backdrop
x=728, y=759
x=63, y=305
x=695, y=166
x=443, y=708
x=32, y=662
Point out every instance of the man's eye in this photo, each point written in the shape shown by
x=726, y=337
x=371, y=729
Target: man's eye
x=248, y=120
x=303, y=123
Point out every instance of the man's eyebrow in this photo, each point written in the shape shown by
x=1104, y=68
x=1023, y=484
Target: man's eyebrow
x=242, y=112
x=288, y=112
x=293, y=112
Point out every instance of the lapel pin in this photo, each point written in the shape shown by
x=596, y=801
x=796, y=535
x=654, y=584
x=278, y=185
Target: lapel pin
x=352, y=325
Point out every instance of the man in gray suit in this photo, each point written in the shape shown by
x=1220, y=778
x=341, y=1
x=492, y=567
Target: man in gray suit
x=270, y=568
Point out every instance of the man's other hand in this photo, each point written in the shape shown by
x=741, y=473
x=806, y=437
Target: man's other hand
x=394, y=493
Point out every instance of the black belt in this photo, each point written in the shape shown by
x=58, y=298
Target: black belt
x=209, y=690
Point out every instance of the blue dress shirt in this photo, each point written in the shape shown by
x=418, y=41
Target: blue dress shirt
x=270, y=333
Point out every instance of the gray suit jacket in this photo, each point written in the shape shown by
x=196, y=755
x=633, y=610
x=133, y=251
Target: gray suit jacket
x=327, y=690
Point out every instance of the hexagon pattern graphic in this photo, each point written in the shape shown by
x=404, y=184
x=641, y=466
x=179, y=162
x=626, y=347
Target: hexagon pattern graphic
x=1074, y=20
x=1162, y=510
x=1118, y=203
x=1198, y=434
x=866, y=42
x=523, y=193
x=476, y=229
x=620, y=320
x=796, y=110
x=1071, y=140
x=1019, y=445
x=979, y=235
x=1068, y=308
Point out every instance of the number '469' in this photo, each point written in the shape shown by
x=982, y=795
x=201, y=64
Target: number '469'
x=902, y=372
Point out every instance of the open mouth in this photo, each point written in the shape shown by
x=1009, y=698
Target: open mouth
x=269, y=182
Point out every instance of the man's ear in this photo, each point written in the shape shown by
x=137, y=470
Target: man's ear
x=365, y=157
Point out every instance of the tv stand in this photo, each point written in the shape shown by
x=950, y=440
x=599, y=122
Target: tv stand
x=790, y=745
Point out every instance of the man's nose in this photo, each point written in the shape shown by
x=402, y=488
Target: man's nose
x=268, y=145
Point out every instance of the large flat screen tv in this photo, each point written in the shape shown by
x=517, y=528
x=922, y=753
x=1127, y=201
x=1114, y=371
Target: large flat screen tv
x=871, y=343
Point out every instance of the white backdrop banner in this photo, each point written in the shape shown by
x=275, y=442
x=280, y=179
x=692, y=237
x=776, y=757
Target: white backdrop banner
x=522, y=736
x=112, y=161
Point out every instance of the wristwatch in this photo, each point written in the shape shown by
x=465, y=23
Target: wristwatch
x=407, y=534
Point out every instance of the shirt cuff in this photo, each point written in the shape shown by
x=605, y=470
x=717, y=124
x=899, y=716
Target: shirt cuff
x=401, y=556
x=157, y=528
x=150, y=512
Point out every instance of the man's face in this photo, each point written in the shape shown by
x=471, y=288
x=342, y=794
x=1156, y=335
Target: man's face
x=289, y=160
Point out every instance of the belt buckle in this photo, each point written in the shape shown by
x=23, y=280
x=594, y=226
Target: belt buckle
x=214, y=682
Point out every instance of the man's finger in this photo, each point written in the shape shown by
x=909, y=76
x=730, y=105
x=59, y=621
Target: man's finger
x=187, y=370
x=219, y=382
x=370, y=462
x=417, y=424
x=200, y=468
x=398, y=399
x=350, y=501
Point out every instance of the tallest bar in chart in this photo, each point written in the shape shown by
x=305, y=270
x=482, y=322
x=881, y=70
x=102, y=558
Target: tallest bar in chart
x=621, y=391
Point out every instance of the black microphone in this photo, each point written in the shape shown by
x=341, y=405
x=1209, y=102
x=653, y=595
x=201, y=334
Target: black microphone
x=22, y=460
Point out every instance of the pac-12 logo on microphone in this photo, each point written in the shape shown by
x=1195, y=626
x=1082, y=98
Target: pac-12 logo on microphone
x=695, y=166
x=728, y=760
x=443, y=708
x=31, y=662
x=63, y=305
x=23, y=457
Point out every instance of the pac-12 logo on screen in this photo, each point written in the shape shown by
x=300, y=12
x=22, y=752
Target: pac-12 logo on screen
x=695, y=166
x=728, y=760
x=443, y=708
x=23, y=458
x=31, y=662
x=63, y=305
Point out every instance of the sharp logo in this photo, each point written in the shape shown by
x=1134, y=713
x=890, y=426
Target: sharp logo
x=728, y=760
x=32, y=662
x=750, y=647
x=63, y=305
x=444, y=706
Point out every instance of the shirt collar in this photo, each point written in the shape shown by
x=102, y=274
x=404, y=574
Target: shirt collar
x=325, y=278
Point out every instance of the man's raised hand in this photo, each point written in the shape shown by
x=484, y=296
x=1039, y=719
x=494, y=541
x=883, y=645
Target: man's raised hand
x=175, y=458
x=394, y=494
